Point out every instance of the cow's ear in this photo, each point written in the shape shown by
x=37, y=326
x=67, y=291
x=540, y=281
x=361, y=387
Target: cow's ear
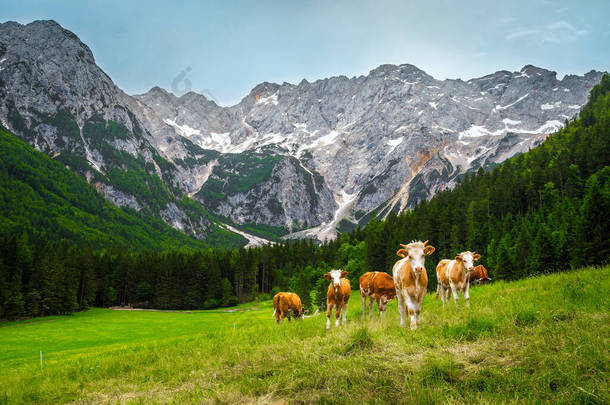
x=428, y=250
x=344, y=273
x=458, y=258
x=476, y=256
x=402, y=253
x=327, y=276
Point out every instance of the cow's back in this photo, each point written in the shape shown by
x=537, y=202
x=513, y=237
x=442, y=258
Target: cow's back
x=365, y=283
x=285, y=301
x=384, y=285
x=479, y=273
x=295, y=303
x=442, y=271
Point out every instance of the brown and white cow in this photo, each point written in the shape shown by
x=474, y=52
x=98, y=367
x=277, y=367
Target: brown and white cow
x=454, y=275
x=376, y=286
x=479, y=275
x=337, y=296
x=287, y=304
x=411, y=280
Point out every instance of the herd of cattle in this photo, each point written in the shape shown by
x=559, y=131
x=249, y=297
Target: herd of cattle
x=408, y=283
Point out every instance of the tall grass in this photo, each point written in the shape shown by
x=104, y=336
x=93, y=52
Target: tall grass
x=542, y=340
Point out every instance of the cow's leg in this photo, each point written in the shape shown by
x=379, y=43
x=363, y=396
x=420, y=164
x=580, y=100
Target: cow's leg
x=441, y=291
x=382, y=303
x=413, y=318
x=417, y=311
x=401, y=308
x=412, y=307
x=438, y=290
x=329, y=309
x=338, y=314
x=344, y=313
x=371, y=301
x=467, y=295
x=363, y=304
x=277, y=317
x=455, y=295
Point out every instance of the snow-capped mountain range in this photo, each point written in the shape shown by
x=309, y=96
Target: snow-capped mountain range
x=301, y=158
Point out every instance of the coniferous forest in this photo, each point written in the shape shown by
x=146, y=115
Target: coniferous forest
x=543, y=211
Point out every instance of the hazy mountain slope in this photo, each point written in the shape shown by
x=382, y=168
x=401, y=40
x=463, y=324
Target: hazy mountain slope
x=54, y=96
x=41, y=197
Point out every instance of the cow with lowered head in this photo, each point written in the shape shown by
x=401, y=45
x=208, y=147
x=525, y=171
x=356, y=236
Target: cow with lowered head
x=479, y=275
x=337, y=296
x=287, y=304
x=411, y=280
x=376, y=286
x=454, y=275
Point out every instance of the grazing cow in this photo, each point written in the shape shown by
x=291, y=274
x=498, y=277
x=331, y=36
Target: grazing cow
x=455, y=274
x=287, y=304
x=377, y=286
x=411, y=280
x=337, y=296
x=479, y=275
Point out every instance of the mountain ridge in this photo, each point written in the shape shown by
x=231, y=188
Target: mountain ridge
x=322, y=152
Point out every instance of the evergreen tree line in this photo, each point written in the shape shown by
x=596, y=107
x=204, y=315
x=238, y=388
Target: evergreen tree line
x=543, y=211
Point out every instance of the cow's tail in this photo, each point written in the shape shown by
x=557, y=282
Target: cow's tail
x=276, y=304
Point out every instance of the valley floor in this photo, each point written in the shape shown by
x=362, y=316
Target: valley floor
x=538, y=340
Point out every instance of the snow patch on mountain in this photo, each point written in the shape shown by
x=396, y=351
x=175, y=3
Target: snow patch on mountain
x=504, y=107
x=272, y=99
x=253, y=241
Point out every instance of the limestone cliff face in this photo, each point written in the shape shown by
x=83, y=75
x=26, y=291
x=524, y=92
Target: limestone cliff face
x=388, y=139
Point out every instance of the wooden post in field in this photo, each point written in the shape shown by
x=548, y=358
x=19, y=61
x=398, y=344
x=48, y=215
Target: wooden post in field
x=41, y=359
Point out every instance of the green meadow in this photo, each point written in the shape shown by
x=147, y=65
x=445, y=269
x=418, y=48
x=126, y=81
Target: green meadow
x=537, y=340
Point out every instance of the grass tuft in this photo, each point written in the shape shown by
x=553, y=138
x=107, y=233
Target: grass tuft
x=360, y=341
x=474, y=328
x=525, y=318
x=440, y=368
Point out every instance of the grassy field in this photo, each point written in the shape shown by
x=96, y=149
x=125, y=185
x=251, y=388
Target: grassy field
x=539, y=340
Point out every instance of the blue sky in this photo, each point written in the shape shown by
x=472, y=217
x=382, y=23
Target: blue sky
x=227, y=47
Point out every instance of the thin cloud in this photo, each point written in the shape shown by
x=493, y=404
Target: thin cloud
x=522, y=34
x=563, y=31
x=556, y=32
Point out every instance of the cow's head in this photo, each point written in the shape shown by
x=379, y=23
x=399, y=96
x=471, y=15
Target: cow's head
x=468, y=259
x=484, y=280
x=335, y=276
x=416, y=253
x=301, y=314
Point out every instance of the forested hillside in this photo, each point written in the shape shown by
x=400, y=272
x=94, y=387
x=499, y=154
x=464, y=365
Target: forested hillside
x=543, y=211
